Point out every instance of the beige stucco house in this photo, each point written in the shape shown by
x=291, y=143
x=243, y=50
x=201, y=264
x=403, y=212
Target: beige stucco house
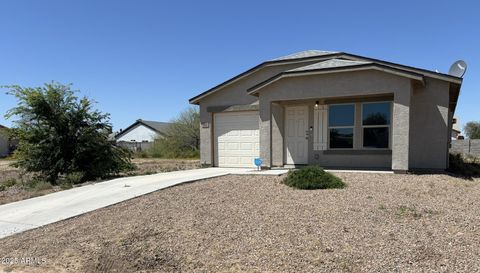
x=334, y=109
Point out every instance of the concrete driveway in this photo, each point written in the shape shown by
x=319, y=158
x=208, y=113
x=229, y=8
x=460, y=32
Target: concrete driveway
x=35, y=212
x=39, y=211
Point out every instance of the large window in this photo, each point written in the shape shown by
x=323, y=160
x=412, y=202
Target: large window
x=376, y=125
x=341, y=122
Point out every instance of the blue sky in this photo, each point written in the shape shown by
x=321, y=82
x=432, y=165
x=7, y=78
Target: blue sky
x=145, y=59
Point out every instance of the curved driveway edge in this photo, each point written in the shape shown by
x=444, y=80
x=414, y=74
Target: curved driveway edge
x=31, y=213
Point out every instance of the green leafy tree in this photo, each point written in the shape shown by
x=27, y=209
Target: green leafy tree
x=472, y=129
x=183, y=137
x=60, y=134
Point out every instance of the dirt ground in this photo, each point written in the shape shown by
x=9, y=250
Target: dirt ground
x=21, y=191
x=379, y=223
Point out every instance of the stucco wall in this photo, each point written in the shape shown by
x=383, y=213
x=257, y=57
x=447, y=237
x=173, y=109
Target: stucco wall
x=278, y=134
x=139, y=133
x=429, y=135
x=342, y=85
x=419, y=137
x=233, y=94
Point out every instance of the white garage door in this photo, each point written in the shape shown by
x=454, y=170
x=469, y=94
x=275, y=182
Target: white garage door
x=236, y=139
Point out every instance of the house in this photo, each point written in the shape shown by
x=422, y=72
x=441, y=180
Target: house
x=334, y=109
x=141, y=134
x=456, y=129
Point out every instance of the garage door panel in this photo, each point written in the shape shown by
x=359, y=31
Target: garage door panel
x=236, y=138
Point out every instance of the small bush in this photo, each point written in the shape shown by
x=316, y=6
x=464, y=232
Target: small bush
x=9, y=182
x=65, y=186
x=74, y=178
x=467, y=166
x=404, y=211
x=41, y=186
x=163, y=148
x=141, y=154
x=2, y=187
x=312, y=177
x=37, y=183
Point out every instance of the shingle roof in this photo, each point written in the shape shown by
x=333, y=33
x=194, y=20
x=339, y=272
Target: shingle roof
x=333, y=63
x=304, y=54
x=336, y=65
x=161, y=127
x=310, y=55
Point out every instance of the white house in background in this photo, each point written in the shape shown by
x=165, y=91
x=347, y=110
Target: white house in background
x=142, y=131
x=456, y=128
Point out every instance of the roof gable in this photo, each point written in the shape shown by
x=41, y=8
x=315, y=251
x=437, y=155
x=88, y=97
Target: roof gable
x=292, y=58
x=335, y=66
x=339, y=59
x=157, y=126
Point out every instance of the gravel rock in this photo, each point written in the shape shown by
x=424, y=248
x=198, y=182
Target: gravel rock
x=379, y=223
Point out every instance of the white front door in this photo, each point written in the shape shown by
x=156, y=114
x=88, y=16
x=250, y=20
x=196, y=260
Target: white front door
x=296, y=142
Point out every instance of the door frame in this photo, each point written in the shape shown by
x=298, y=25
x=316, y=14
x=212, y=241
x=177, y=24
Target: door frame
x=285, y=154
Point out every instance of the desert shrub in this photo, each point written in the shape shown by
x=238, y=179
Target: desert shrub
x=157, y=149
x=42, y=185
x=466, y=166
x=163, y=148
x=9, y=182
x=59, y=133
x=141, y=154
x=65, y=185
x=36, y=183
x=182, y=139
x=74, y=178
x=312, y=177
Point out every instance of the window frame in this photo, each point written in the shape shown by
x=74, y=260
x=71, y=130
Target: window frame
x=342, y=127
x=389, y=125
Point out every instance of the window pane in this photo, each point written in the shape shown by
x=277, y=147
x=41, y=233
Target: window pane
x=341, y=115
x=375, y=137
x=341, y=138
x=376, y=113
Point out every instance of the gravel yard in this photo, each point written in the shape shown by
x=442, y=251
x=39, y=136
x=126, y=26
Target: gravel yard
x=379, y=223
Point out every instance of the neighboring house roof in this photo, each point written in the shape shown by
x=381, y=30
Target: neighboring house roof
x=311, y=55
x=157, y=126
x=1, y=126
